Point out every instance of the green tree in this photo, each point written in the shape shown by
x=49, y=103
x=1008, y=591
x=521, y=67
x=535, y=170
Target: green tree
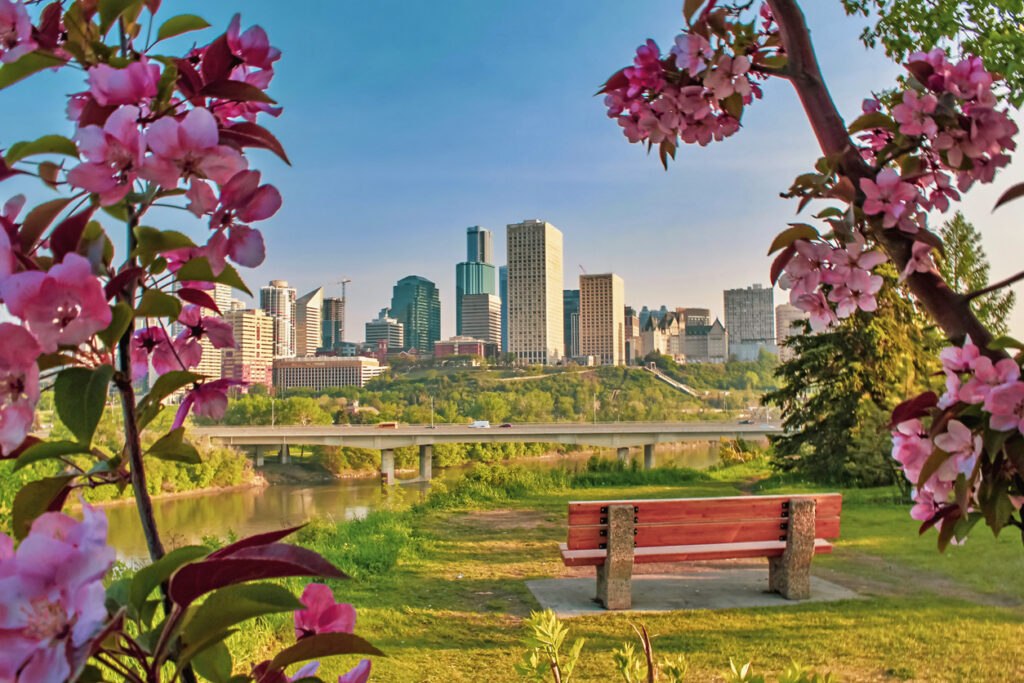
x=840, y=380
x=965, y=268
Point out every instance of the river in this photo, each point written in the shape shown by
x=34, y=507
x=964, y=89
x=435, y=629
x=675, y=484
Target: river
x=242, y=512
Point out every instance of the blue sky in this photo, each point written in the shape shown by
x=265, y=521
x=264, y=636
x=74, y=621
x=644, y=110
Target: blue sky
x=406, y=122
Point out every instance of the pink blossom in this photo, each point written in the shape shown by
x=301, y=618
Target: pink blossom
x=852, y=258
x=920, y=260
x=959, y=359
x=913, y=114
x=870, y=106
x=360, y=673
x=15, y=32
x=1006, y=403
x=65, y=305
x=646, y=72
x=858, y=291
x=692, y=52
x=252, y=46
x=53, y=597
x=729, y=76
x=322, y=613
x=113, y=156
x=244, y=200
x=245, y=246
x=152, y=341
x=889, y=196
x=189, y=149
x=987, y=376
x=231, y=110
x=198, y=326
x=208, y=399
x=130, y=85
x=964, y=447
x=911, y=448
x=821, y=314
x=19, y=384
x=10, y=212
x=924, y=505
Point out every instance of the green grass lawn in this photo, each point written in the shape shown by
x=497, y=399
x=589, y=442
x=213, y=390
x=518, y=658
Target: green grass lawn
x=452, y=607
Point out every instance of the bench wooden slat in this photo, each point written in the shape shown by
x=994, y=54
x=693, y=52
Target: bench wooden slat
x=582, y=537
x=702, y=509
x=683, y=553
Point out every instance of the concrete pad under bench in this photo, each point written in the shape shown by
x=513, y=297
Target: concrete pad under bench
x=698, y=586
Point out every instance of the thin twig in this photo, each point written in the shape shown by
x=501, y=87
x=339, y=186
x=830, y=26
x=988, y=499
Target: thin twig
x=993, y=287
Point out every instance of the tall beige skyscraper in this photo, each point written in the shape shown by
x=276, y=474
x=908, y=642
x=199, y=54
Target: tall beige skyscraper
x=252, y=359
x=277, y=299
x=603, y=318
x=309, y=310
x=535, y=321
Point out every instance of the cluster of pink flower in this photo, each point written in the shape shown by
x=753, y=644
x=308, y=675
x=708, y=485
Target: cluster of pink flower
x=15, y=32
x=652, y=101
x=846, y=269
x=971, y=379
x=53, y=596
x=322, y=615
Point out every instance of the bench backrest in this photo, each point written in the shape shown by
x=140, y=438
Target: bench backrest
x=693, y=521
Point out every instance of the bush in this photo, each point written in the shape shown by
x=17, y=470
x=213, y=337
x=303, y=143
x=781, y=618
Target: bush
x=366, y=547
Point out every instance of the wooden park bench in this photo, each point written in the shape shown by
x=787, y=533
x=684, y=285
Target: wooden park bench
x=613, y=535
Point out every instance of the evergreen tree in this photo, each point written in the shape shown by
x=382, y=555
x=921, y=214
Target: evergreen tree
x=839, y=382
x=965, y=268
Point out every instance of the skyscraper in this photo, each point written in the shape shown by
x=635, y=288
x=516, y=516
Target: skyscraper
x=252, y=359
x=571, y=321
x=277, y=299
x=785, y=316
x=481, y=315
x=750, y=321
x=308, y=313
x=332, y=325
x=535, y=323
x=602, y=318
x=503, y=294
x=416, y=303
x=476, y=275
x=386, y=329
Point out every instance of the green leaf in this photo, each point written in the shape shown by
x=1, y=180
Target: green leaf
x=214, y=663
x=157, y=304
x=932, y=465
x=198, y=270
x=148, y=578
x=165, y=385
x=34, y=499
x=26, y=66
x=323, y=645
x=44, y=450
x=798, y=231
x=80, y=395
x=183, y=23
x=1005, y=342
x=172, y=446
x=110, y=10
x=151, y=241
x=232, y=605
x=874, y=120
x=38, y=220
x=48, y=144
x=121, y=315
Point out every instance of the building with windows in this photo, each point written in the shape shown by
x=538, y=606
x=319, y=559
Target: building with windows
x=321, y=372
x=750, y=320
x=571, y=321
x=694, y=316
x=632, y=334
x=785, y=316
x=706, y=343
x=481, y=318
x=309, y=310
x=252, y=359
x=416, y=304
x=386, y=329
x=332, y=324
x=476, y=275
x=277, y=300
x=536, y=332
x=602, y=318
x=503, y=294
x=463, y=345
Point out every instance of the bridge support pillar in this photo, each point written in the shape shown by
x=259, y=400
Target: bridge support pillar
x=624, y=455
x=426, y=462
x=648, y=456
x=261, y=451
x=387, y=466
x=286, y=456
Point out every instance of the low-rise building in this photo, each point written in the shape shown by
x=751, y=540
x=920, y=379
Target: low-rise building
x=465, y=346
x=321, y=372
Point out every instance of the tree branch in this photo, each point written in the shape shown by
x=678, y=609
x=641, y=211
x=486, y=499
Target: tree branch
x=995, y=286
x=949, y=310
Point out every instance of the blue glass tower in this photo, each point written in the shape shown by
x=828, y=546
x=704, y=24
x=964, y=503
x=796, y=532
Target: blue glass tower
x=415, y=303
x=476, y=275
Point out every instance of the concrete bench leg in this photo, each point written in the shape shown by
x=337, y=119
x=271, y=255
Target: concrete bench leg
x=790, y=574
x=615, y=575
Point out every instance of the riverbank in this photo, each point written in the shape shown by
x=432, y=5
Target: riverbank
x=258, y=481
x=441, y=588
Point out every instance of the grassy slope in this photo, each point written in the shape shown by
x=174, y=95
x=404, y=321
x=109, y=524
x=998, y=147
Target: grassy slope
x=453, y=611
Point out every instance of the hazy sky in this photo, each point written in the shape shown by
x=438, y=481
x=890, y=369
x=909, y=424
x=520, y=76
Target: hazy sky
x=406, y=122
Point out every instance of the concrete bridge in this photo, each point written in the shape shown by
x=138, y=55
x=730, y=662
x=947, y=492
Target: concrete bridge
x=261, y=440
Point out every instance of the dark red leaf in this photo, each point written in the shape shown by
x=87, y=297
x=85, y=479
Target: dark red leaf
x=239, y=91
x=781, y=261
x=256, y=540
x=116, y=283
x=6, y=171
x=217, y=60
x=247, y=564
x=1011, y=194
x=913, y=408
x=198, y=297
x=920, y=70
x=615, y=81
x=49, y=27
x=94, y=114
x=943, y=512
x=323, y=645
x=247, y=134
x=29, y=441
x=189, y=80
x=65, y=237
